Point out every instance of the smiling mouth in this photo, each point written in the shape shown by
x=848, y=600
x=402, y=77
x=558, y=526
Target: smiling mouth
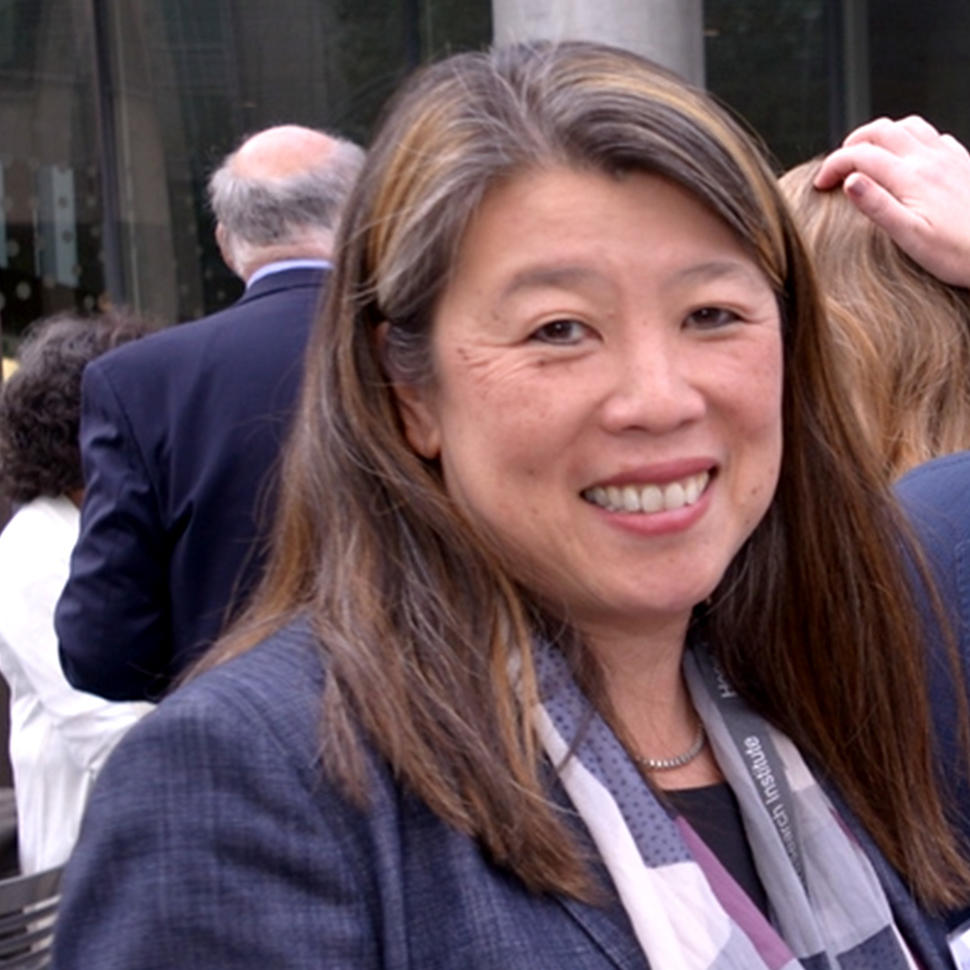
x=649, y=497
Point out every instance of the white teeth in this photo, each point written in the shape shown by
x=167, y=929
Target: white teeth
x=674, y=496
x=649, y=498
x=631, y=499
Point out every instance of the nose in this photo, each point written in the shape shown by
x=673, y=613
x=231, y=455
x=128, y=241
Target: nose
x=653, y=385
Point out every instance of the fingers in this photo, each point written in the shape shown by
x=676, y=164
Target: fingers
x=896, y=136
x=954, y=146
x=920, y=129
x=874, y=160
x=833, y=170
x=914, y=183
x=873, y=147
x=882, y=207
x=908, y=229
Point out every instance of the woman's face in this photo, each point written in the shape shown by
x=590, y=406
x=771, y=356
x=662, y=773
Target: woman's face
x=607, y=393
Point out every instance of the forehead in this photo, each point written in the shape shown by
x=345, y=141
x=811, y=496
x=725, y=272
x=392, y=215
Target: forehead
x=557, y=225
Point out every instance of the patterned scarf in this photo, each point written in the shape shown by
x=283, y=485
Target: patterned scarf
x=828, y=910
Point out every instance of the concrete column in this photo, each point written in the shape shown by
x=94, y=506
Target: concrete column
x=670, y=32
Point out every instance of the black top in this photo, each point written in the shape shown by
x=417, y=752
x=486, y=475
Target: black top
x=714, y=814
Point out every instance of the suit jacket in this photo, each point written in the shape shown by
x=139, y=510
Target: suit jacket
x=937, y=498
x=213, y=839
x=180, y=432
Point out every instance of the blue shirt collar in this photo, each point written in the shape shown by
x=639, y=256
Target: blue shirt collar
x=285, y=264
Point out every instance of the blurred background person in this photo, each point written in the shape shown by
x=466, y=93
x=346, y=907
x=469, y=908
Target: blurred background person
x=180, y=433
x=59, y=736
x=903, y=335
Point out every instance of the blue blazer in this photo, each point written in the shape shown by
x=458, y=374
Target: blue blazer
x=180, y=432
x=212, y=839
x=937, y=498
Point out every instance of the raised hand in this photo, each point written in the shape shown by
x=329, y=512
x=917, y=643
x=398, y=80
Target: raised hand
x=915, y=183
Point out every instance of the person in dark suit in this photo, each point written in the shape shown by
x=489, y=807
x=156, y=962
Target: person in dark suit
x=560, y=659
x=180, y=432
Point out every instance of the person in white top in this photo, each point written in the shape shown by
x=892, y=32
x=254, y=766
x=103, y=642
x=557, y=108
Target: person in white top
x=59, y=736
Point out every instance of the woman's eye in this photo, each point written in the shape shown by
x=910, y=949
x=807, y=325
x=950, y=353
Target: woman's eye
x=560, y=332
x=712, y=317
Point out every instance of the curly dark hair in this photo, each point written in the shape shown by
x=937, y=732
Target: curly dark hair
x=40, y=403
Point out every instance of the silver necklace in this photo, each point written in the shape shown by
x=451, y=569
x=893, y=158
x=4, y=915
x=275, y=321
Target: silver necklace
x=678, y=760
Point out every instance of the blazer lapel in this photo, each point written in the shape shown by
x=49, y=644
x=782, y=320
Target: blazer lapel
x=610, y=930
x=605, y=922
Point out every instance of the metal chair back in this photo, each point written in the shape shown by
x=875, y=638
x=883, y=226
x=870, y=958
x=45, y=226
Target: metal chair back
x=28, y=907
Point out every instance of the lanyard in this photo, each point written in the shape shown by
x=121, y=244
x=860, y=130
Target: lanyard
x=751, y=736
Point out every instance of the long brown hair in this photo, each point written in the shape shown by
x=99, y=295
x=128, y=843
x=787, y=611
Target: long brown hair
x=902, y=335
x=417, y=619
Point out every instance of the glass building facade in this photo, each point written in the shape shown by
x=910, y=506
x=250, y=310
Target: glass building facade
x=114, y=112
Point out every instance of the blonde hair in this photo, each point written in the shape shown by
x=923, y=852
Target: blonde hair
x=418, y=619
x=902, y=335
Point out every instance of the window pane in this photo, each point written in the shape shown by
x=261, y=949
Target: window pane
x=768, y=59
x=50, y=218
x=920, y=55
x=803, y=72
x=194, y=76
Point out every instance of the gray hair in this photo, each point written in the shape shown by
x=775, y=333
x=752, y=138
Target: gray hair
x=259, y=212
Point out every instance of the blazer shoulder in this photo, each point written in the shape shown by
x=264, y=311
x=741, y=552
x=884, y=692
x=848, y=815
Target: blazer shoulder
x=934, y=497
x=140, y=363
x=213, y=811
x=277, y=683
x=938, y=487
x=274, y=322
x=244, y=726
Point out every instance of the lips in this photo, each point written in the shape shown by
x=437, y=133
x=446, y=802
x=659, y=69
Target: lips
x=649, y=497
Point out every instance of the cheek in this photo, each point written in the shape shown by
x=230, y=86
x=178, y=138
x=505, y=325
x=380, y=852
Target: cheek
x=767, y=457
x=502, y=431
x=758, y=423
x=497, y=400
x=760, y=378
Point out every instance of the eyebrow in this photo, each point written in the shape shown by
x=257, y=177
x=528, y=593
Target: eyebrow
x=716, y=269
x=562, y=276
x=574, y=275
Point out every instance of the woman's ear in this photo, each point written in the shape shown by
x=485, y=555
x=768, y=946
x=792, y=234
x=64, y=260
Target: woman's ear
x=419, y=418
x=415, y=404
